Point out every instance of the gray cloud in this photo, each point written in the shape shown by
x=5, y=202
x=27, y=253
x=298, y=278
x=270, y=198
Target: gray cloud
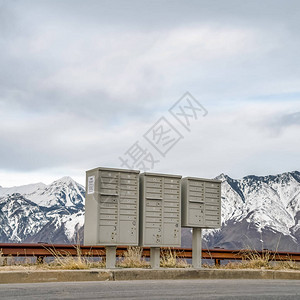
x=156, y=14
x=291, y=119
x=279, y=122
x=80, y=80
x=283, y=122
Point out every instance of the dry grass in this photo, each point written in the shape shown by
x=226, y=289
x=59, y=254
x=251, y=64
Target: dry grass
x=261, y=264
x=171, y=259
x=78, y=262
x=251, y=259
x=287, y=265
x=132, y=258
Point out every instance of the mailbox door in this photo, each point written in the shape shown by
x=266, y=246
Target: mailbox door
x=153, y=220
x=201, y=200
x=212, y=204
x=128, y=209
x=108, y=219
x=171, y=212
x=161, y=211
x=118, y=208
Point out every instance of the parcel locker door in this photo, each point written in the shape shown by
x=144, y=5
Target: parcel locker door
x=171, y=233
x=196, y=214
x=194, y=217
x=108, y=234
x=128, y=232
x=153, y=235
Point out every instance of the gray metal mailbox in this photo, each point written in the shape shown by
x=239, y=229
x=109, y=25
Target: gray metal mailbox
x=111, y=207
x=160, y=210
x=201, y=208
x=201, y=202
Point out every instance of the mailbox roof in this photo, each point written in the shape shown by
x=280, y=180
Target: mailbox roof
x=202, y=179
x=114, y=170
x=161, y=175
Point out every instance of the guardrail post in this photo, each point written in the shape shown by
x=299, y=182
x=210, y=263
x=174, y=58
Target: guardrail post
x=197, y=248
x=40, y=260
x=217, y=262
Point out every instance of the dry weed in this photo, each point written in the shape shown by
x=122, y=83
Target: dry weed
x=132, y=258
x=67, y=261
x=170, y=259
x=251, y=259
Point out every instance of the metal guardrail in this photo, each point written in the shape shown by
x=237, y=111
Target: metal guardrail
x=48, y=250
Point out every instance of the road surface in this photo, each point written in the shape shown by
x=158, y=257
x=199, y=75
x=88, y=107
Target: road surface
x=151, y=289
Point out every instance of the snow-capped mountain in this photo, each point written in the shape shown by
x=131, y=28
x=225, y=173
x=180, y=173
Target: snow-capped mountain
x=42, y=213
x=271, y=201
x=63, y=192
x=257, y=212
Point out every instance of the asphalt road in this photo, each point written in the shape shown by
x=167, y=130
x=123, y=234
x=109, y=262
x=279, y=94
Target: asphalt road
x=150, y=289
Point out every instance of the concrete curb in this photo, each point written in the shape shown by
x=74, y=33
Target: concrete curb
x=140, y=274
x=144, y=274
x=54, y=276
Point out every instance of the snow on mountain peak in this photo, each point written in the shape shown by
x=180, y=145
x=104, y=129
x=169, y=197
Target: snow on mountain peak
x=272, y=201
x=65, y=180
x=253, y=207
x=64, y=192
x=23, y=189
x=221, y=177
x=296, y=175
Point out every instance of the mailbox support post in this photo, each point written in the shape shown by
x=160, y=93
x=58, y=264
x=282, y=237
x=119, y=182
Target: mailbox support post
x=155, y=257
x=111, y=257
x=197, y=247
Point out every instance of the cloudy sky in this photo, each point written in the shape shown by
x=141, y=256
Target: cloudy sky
x=82, y=81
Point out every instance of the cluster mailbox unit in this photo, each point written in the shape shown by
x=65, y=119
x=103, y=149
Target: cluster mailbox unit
x=201, y=208
x=160, y=213
x=125, y=208
x=111, y=209
x=201, y=203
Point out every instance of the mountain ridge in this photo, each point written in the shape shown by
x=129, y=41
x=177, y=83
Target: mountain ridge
x=51, y=213
x=55, y=212
x=51, y=195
